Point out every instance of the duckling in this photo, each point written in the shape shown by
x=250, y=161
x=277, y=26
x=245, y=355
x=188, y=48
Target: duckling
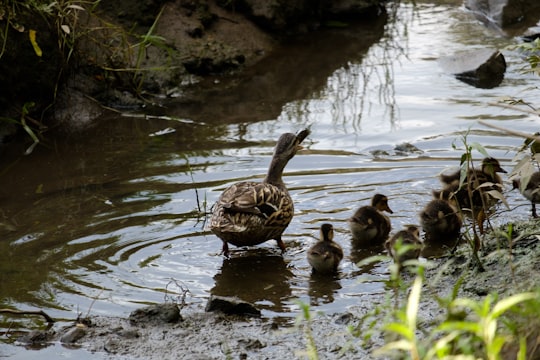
x=410, y=235
x=475, y=196
x=325, y=255
x=250, y=213
x=440, y=221
x=531, y=191
x=369, y=226
x=486, y=173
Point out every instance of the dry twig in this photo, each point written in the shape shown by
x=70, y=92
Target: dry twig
x=49, y=319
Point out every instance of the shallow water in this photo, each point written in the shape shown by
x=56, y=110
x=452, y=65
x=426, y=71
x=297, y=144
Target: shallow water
x=111, y=219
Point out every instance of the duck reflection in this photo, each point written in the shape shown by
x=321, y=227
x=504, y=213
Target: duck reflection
x=359, y=254
x=322, y=288
x=259, y=277
x=433, y=250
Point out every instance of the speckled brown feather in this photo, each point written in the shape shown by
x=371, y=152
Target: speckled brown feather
x=250, y=213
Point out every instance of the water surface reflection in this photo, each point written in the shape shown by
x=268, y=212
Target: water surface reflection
x=258, y=277
x=101, y=222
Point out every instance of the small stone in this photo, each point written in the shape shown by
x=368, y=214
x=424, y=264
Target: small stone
x=129, y=334
x=73, y=335
x=344, y=319
x=111, y=345
x=482, y=68
x=35, y=338
x=159, y=313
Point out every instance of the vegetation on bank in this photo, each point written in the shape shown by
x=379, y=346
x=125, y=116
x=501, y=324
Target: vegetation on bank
x=493, y=325
x=469, y=329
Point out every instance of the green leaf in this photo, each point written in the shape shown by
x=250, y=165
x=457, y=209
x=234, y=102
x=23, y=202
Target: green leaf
x=463, y=326
x=505, y=304
x=396, y=345
x=414, y=301
x=400, y=329
x=478, y=147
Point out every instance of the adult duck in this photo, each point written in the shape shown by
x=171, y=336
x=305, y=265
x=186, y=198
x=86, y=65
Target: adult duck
x=250, y=213
x=369, y=226
x=325, y=255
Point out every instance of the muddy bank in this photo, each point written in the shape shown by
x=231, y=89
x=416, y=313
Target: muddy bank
x=127, y=54
x=196, y=334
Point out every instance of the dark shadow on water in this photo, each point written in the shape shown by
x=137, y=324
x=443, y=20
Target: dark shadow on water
x=292, y=72
x=322, y=288
x=256, y=276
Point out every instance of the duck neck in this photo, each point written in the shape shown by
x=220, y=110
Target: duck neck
x=275, y=172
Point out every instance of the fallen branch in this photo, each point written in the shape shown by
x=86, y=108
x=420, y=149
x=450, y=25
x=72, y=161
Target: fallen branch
x=511, y=132
x=49, y=319
x=514, y=107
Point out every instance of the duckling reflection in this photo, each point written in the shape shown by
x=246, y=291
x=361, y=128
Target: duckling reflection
x=322, y=288
x=257, y=277
x=358, y=254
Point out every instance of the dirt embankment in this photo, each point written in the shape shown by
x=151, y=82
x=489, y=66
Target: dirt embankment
x=122, y=53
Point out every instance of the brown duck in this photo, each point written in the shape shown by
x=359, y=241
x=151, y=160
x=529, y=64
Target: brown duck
x=475, y=195
x=325, y=255
x=410, y=236
x=531, y=191
x=369, y=226
x=250, y=213
x=441, y=221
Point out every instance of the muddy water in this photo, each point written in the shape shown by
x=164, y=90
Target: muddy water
x=108, y=220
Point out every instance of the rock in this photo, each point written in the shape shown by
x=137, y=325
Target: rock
x=483, y=68
x=72, y=335
x=505, y=13
x=159, y=313
x=112, y=345
x=231, y=306
x=531, y=33
x=36, y=338
x=407, y=148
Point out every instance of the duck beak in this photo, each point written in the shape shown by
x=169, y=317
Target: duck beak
x=302, y=135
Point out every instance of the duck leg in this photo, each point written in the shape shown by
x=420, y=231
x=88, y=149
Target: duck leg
x=281, y=244
x=225, y=249
x=534, y=210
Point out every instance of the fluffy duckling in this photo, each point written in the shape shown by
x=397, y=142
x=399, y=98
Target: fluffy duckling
x=474, y=197
x=369, y=226
x=440, y=221
x=408, y=236
x=250, y=213
x=486, y=173
x=531, y=191
x=325, y=255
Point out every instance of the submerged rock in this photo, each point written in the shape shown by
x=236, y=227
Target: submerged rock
x=160, y=313
x=72, y=335
x=36, y=339
x=482, y=68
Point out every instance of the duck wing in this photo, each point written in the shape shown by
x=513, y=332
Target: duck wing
x=260, y=199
